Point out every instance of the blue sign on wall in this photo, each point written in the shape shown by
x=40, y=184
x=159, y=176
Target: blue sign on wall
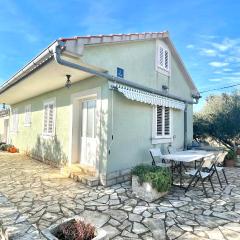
x=120, y=72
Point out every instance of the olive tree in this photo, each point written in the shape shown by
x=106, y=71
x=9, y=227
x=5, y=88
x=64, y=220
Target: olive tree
x=219, y=119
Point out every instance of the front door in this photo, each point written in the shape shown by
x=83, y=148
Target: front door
x=88, y=132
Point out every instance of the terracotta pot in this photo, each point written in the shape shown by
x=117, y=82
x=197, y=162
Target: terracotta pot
x=230, y=163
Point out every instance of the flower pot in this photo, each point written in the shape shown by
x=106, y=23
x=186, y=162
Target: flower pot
x=48, y=233
x=230, y=163
x=145, y=191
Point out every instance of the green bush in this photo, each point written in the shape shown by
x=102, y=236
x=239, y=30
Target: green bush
x=231, y=155
x=4, y=147
x=160, y=178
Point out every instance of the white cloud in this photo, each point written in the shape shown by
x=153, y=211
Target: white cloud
x=215, y=79
x=218, y=64
x=190, y=46
x=208, y=52
x=227, y=70
x=226, y=44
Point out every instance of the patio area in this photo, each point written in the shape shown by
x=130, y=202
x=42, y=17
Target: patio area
x=34, y=196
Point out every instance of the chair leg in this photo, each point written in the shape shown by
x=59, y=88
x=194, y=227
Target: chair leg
x=204, y=189
x=195, y=182
x=210, y=180
x=215, y=170
x=190, y=183
x=225, y=176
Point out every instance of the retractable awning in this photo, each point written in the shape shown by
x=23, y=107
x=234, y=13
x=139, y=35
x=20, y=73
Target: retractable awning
x=148, y=98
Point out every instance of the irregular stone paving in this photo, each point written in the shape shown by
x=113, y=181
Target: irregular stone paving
x=44, y=197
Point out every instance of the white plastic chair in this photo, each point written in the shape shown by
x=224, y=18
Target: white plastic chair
x=201, y=174
x=156, y=153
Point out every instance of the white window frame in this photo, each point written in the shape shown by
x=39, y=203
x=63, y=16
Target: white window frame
x=161, y=138
x=28, y=119
x=48, y=102
x=14, y=120
x=159, y=68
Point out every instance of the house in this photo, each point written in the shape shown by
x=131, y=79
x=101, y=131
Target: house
x=100, y=102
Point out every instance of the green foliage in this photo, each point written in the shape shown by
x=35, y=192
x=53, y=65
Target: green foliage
x=4, y=147
x=159, y=177
x=231, y=155
x=219, y=120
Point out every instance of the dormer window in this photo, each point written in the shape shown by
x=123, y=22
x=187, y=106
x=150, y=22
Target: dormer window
x=163, y=59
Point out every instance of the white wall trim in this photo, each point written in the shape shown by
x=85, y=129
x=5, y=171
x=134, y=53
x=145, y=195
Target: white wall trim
x=74, y=123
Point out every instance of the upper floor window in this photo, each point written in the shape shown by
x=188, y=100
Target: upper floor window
x=14, y=127
x=49, y=118
x=163, y=59
x=27, y=116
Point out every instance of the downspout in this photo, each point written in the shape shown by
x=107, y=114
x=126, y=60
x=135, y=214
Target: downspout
x=57, y=56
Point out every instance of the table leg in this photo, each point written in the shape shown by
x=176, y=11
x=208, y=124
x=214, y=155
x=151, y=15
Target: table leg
x=181, y=174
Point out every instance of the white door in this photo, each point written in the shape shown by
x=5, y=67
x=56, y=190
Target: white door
x=88, y=133
x=5, y=134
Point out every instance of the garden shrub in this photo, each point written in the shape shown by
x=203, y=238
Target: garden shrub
x=160, y=178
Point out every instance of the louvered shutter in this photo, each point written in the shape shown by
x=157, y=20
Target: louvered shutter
x=166, y=59
x=14, y=120
x=27, y=120
x=159, y=120
x=167, y=121
x=161, y=57
x=50, y=119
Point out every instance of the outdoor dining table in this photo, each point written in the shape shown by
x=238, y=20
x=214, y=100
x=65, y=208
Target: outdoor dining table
x=187, y=156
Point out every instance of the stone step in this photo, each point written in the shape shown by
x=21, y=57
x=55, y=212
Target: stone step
x=80, y=173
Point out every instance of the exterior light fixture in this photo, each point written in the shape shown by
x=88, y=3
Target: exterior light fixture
x=68, y=83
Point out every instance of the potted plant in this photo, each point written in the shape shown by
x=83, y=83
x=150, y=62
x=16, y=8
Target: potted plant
x=150, y=183
x=230, y=159
x=74, y=229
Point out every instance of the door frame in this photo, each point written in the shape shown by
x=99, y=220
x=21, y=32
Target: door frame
x=75, y=124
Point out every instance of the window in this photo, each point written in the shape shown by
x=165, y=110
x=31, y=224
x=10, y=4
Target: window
x=49, y=118
x=27, y=116
x=14, y=120
x=163, y=122
x=163, y=59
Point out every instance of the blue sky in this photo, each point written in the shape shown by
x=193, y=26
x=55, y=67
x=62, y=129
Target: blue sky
x=205, y=32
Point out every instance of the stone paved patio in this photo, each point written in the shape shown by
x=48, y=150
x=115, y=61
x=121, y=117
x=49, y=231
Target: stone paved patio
x=37, y=194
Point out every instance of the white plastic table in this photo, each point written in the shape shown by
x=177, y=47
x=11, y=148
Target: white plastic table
x=187, y=157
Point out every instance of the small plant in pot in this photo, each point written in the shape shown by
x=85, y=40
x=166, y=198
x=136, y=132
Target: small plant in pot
x=230, y=158
x=150, y=183
x=74, y=229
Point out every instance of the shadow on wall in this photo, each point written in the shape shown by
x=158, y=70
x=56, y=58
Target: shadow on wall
x=49, y=151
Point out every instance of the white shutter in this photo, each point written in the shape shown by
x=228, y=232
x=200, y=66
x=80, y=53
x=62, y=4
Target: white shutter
x=27, y=118
x=15, y=120
x=163, y=121
x=49, y=119
x=167, y=121
x=161, y=57
x=166, y=59
x=159, y=120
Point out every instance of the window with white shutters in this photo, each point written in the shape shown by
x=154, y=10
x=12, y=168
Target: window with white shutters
x=163, y=58
x=49, y=119
x=27, y=116
x=15, y=120
x=163, y=121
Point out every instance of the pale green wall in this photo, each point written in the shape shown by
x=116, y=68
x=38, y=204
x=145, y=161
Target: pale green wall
x=132, y=128
x=27, y=138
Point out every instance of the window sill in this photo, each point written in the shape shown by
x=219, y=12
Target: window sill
x=27, y=125
x=48, y=137
x=157, y=140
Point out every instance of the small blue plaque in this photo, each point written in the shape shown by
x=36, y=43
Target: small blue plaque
x=120, y=72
